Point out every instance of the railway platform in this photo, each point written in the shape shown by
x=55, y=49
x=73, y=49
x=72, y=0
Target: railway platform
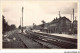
x=60, y=35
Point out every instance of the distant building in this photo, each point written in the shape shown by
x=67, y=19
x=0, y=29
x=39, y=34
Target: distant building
x=37, y=27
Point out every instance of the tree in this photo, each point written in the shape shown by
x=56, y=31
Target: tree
x=43, y=22
x=13, y=27
x=4, y=25
x=19, y=27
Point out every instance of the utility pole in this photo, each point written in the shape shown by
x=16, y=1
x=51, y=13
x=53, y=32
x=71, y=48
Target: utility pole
x=22, y=19
x=73, y=20
x=20, y=23
x=73, y=14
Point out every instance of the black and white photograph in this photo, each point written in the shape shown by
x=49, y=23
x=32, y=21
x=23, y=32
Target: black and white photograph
x=39, y=24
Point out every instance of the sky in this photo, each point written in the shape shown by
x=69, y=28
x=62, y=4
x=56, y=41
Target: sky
x=36, y=11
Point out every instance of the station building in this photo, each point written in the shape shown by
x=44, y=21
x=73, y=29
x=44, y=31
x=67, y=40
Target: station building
x=59, y=25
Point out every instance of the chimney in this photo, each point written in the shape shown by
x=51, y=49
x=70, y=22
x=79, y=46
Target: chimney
x=59, y=14
x=56, y=18
x=75, y=18
x=73, y=14
x=20, y=21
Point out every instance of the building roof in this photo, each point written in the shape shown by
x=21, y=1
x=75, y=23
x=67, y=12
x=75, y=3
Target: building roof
x=59, y=19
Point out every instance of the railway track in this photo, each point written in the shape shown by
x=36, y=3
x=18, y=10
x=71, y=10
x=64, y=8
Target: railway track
x=57, y=41
x=30, y=44
x=59, y=37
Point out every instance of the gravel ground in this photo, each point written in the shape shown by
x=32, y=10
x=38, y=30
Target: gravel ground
x=13, y=41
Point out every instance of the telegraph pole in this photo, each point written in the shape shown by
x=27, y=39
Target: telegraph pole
x=22, y=19
x=73, y=20
x=73, y=14
x=20, y=23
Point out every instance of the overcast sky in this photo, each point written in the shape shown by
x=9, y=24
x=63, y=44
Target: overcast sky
x=35, y=11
